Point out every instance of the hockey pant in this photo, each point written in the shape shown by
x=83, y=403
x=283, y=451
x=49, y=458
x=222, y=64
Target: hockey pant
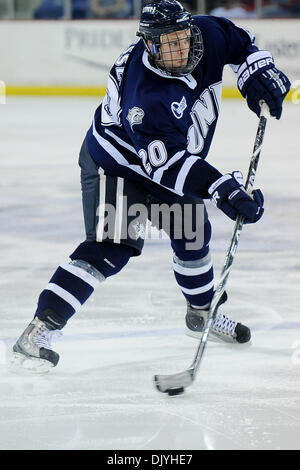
x=107, y=250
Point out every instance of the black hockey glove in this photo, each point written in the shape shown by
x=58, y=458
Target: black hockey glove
x=229, y=195
x=258, y=80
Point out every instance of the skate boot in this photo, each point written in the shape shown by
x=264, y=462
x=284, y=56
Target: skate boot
x=33, y=349
x=223, y=328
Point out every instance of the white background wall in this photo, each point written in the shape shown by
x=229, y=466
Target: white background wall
x=81, y=52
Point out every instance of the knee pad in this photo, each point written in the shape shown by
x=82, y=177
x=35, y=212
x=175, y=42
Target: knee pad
x=107, y=258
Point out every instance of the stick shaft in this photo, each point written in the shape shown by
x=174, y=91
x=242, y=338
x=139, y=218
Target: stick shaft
x=186, y=378
x=229, y=258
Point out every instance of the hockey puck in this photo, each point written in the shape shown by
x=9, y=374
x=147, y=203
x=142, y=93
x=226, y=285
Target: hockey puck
x=175, y=391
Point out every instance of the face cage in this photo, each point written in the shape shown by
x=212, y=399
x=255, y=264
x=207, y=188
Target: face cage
x=196, y=50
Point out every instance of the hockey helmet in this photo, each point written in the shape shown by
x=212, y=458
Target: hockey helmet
x=163, y=17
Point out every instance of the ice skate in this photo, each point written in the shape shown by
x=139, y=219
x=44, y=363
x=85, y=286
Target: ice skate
x=33, y=350
x=223, y=328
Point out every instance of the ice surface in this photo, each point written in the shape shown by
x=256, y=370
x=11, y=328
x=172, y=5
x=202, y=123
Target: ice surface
x=101, y=394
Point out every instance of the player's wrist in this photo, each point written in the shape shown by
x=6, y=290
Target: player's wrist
x=225, y=187
x=219, y=182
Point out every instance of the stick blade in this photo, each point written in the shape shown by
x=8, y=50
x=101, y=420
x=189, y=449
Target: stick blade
x=165, y=383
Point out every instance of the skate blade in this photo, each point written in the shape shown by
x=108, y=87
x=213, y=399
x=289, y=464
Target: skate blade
x=20, y=363
x=212, y=337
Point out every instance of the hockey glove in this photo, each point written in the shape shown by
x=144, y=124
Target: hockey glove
x=258, y=80
x=229, y=195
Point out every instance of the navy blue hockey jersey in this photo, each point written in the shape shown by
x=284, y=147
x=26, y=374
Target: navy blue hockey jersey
x=157, y=129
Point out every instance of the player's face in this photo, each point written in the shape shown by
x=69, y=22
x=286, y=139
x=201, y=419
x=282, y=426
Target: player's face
x=175, y=48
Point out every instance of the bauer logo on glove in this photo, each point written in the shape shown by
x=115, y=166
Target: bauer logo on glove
x=229, y=195
x=258, y=79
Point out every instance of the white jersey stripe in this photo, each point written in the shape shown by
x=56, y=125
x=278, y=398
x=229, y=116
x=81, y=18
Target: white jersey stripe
x=201, y=307
x=197, y=290
x=157, y=175
x=116, y=155
x=119, y=210
x=181, y=177
x=191, y=271
x=121, y=141
x=64, y=294
x=101, y=207
x=81, y=273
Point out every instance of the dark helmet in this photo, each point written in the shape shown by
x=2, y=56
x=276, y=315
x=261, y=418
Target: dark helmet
x=164, y=17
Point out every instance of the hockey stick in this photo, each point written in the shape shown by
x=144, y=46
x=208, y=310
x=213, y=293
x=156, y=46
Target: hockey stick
x=175, y=384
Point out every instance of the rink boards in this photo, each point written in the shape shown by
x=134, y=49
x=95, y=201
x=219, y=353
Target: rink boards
x=73, y=57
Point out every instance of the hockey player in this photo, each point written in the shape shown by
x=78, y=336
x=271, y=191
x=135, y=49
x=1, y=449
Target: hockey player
x=147, y=145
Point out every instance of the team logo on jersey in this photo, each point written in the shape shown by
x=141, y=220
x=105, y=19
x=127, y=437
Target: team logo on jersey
x=178, y=108
x=135, y=116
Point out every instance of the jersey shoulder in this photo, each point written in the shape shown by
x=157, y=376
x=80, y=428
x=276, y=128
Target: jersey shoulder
x=218, y=28
x=212, y=23
x=225, y=39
